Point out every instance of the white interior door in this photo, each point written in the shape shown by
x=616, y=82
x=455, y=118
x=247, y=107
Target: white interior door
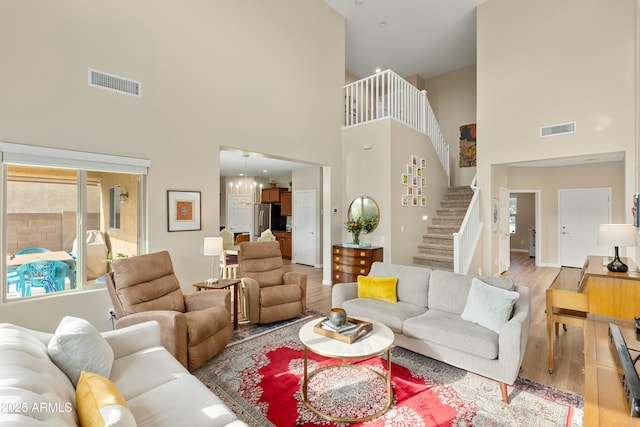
x=305, y=225
x=581, y=213
x=504, y=260
x=239, y=214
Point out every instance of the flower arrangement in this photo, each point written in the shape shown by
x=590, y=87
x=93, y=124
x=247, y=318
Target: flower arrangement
x=357, y=225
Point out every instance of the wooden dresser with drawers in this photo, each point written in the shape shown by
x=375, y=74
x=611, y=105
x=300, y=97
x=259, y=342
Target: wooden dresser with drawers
x=349, y=262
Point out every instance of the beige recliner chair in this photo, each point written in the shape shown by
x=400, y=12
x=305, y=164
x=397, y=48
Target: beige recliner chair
x=272, y=294
x=194, y=327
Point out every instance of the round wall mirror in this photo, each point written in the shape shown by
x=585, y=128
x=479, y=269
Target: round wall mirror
x=366, y=208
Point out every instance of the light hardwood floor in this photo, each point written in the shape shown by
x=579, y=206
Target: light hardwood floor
x=568, y=372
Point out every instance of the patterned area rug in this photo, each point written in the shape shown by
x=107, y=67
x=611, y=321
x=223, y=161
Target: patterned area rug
x=259, y=375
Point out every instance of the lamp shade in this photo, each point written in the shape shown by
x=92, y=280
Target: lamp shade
x=617, y=235
x=212, y=246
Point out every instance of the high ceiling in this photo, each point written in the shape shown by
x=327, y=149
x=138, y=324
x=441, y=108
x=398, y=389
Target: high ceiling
x=423, y=37
x=232, y=163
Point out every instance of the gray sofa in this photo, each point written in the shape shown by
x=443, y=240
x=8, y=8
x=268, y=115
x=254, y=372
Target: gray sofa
x=427, y=319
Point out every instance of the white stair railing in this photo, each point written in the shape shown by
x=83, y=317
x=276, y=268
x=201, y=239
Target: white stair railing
x=466, y=239
x=387, y=95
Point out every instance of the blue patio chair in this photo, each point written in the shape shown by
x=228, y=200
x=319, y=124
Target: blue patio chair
x=46, y=274
x=32, y=251
x=13, y=279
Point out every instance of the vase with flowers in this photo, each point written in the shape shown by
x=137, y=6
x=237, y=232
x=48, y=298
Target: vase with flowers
x=357, y=225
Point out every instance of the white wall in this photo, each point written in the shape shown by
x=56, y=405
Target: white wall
x=546, y=62
x=377, y=172
x=367, y=173
x=259, y=76
x=453, y=99
x=549, y=180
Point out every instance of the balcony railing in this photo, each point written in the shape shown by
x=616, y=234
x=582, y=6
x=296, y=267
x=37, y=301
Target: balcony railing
x=387, y=95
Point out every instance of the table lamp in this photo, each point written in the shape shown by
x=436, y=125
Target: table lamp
x=617, y=235
x=213, y=248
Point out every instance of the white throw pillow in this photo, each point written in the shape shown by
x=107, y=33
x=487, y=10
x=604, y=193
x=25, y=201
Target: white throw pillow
x=489, y=306
x=78, y=346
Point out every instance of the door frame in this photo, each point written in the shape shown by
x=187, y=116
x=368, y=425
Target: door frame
x=537, y=218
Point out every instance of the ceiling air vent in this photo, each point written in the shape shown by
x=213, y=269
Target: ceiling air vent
x=558, y=129
x=114, y=83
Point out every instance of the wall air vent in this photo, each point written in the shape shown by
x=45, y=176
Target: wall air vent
x=558, y=129
x=114, y=83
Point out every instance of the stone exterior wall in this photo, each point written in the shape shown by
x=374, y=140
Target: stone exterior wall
x=45, y=230
x=34, y=230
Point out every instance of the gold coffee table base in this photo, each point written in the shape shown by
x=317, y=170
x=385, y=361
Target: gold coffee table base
x=386, y=380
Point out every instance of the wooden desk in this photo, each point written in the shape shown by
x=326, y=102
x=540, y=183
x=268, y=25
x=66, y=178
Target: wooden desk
x=595, y=290
x=605, y=403
x=224, y=284
x=612, y=294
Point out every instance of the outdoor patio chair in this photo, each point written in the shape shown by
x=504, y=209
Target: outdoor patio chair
x=46, y=274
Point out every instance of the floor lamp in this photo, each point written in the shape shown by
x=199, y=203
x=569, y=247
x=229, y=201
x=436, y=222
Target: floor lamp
x=213, y=248
x=617, y=235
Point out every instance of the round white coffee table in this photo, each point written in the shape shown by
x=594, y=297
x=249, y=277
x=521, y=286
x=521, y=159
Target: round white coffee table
x=376, y=342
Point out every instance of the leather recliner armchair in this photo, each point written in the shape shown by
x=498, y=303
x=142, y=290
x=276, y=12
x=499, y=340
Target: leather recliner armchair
x=194, y=327
x=272, y=295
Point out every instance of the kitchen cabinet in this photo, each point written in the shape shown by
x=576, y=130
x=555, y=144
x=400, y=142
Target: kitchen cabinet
x=272, y=195
x=285, y=200
x=284, y=238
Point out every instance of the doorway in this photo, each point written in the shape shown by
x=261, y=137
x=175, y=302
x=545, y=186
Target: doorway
x=525, y=225
x=261, y=171
x=305, y=227
x=580, y=213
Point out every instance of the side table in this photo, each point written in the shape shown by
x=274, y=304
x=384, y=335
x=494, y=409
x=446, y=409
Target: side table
x=224, y=284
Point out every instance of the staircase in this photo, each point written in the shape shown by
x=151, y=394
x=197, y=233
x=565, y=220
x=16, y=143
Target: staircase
x=436, y=251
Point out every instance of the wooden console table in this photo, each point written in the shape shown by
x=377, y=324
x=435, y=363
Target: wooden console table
x=605, y=403
x=594, y=290
x=349, y=262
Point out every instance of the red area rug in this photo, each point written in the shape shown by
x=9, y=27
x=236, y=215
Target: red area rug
x=259, y=379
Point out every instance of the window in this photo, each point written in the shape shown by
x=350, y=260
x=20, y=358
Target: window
x=52, y=197
x=114, y=207
x=513, y=213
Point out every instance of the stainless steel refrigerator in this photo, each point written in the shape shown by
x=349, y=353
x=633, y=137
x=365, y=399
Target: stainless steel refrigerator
x=261, y=220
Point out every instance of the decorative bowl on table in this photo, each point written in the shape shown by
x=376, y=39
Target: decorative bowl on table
x=337, y=316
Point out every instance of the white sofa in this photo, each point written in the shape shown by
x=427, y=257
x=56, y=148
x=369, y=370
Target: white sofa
x=157, y=388
x=428, y=319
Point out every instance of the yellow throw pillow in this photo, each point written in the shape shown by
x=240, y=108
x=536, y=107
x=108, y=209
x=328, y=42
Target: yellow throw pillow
x=100, y=403
x=382, y=288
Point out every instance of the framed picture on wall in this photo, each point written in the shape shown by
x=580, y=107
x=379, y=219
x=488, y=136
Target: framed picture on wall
x=183, y=210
